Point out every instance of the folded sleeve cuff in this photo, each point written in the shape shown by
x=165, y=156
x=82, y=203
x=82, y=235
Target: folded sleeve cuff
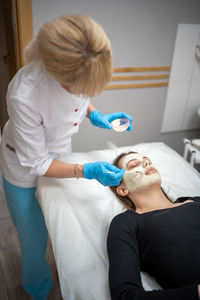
x=42, y=169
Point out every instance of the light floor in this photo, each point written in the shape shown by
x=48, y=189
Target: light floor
x=10, y=271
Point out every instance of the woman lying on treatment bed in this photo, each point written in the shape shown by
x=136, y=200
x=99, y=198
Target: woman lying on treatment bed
x=154, y=235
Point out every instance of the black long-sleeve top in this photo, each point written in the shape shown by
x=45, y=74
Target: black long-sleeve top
x=165, y=243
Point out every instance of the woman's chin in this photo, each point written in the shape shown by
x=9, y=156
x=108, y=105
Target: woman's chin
x=145, y=187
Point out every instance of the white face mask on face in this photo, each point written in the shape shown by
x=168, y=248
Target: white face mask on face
x=139, y=172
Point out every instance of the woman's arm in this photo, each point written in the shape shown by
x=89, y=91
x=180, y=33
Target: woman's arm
x=104, y=172
x=124, y=266
x=60, y=169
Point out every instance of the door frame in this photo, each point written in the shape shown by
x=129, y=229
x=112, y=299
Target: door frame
x=23, y=28
x=18, y=22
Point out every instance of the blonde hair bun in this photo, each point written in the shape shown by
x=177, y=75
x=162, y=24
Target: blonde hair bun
x=76, y=51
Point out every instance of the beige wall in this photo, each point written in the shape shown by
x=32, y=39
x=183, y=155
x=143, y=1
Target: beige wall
x=142, y=33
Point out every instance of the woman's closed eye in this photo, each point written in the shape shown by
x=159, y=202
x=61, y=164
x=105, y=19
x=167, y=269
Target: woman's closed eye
x=132, y=164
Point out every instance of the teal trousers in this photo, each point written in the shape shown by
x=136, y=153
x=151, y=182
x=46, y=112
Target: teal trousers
x=27, y=216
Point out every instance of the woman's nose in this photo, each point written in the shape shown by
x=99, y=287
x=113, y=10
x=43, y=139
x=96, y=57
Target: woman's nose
x=145, y=163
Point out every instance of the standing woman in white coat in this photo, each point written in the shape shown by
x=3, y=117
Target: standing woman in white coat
x=68, y=62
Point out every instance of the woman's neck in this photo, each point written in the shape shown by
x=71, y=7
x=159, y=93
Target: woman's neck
x=149, y=199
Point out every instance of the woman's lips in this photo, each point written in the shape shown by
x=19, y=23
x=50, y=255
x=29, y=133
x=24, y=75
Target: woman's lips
x=150, y=170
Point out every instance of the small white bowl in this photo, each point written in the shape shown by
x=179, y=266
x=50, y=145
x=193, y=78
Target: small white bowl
x=120, y=125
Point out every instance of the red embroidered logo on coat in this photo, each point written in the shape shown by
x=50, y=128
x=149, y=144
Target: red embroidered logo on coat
x=11, y=148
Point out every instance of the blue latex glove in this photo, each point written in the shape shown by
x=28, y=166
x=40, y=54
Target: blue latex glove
x=103, y=121
x=104, y=172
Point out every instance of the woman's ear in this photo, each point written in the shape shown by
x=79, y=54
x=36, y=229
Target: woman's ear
x=122, y=190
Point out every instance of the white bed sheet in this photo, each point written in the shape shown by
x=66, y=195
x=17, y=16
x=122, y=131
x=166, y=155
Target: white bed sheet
x=78, y=214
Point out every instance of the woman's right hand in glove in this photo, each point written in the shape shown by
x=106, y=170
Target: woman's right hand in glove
x=104, y=172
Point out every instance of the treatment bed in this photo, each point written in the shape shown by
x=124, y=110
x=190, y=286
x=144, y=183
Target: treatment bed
x=78, y=213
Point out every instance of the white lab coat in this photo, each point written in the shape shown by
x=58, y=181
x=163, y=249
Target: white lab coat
x=43, y=116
